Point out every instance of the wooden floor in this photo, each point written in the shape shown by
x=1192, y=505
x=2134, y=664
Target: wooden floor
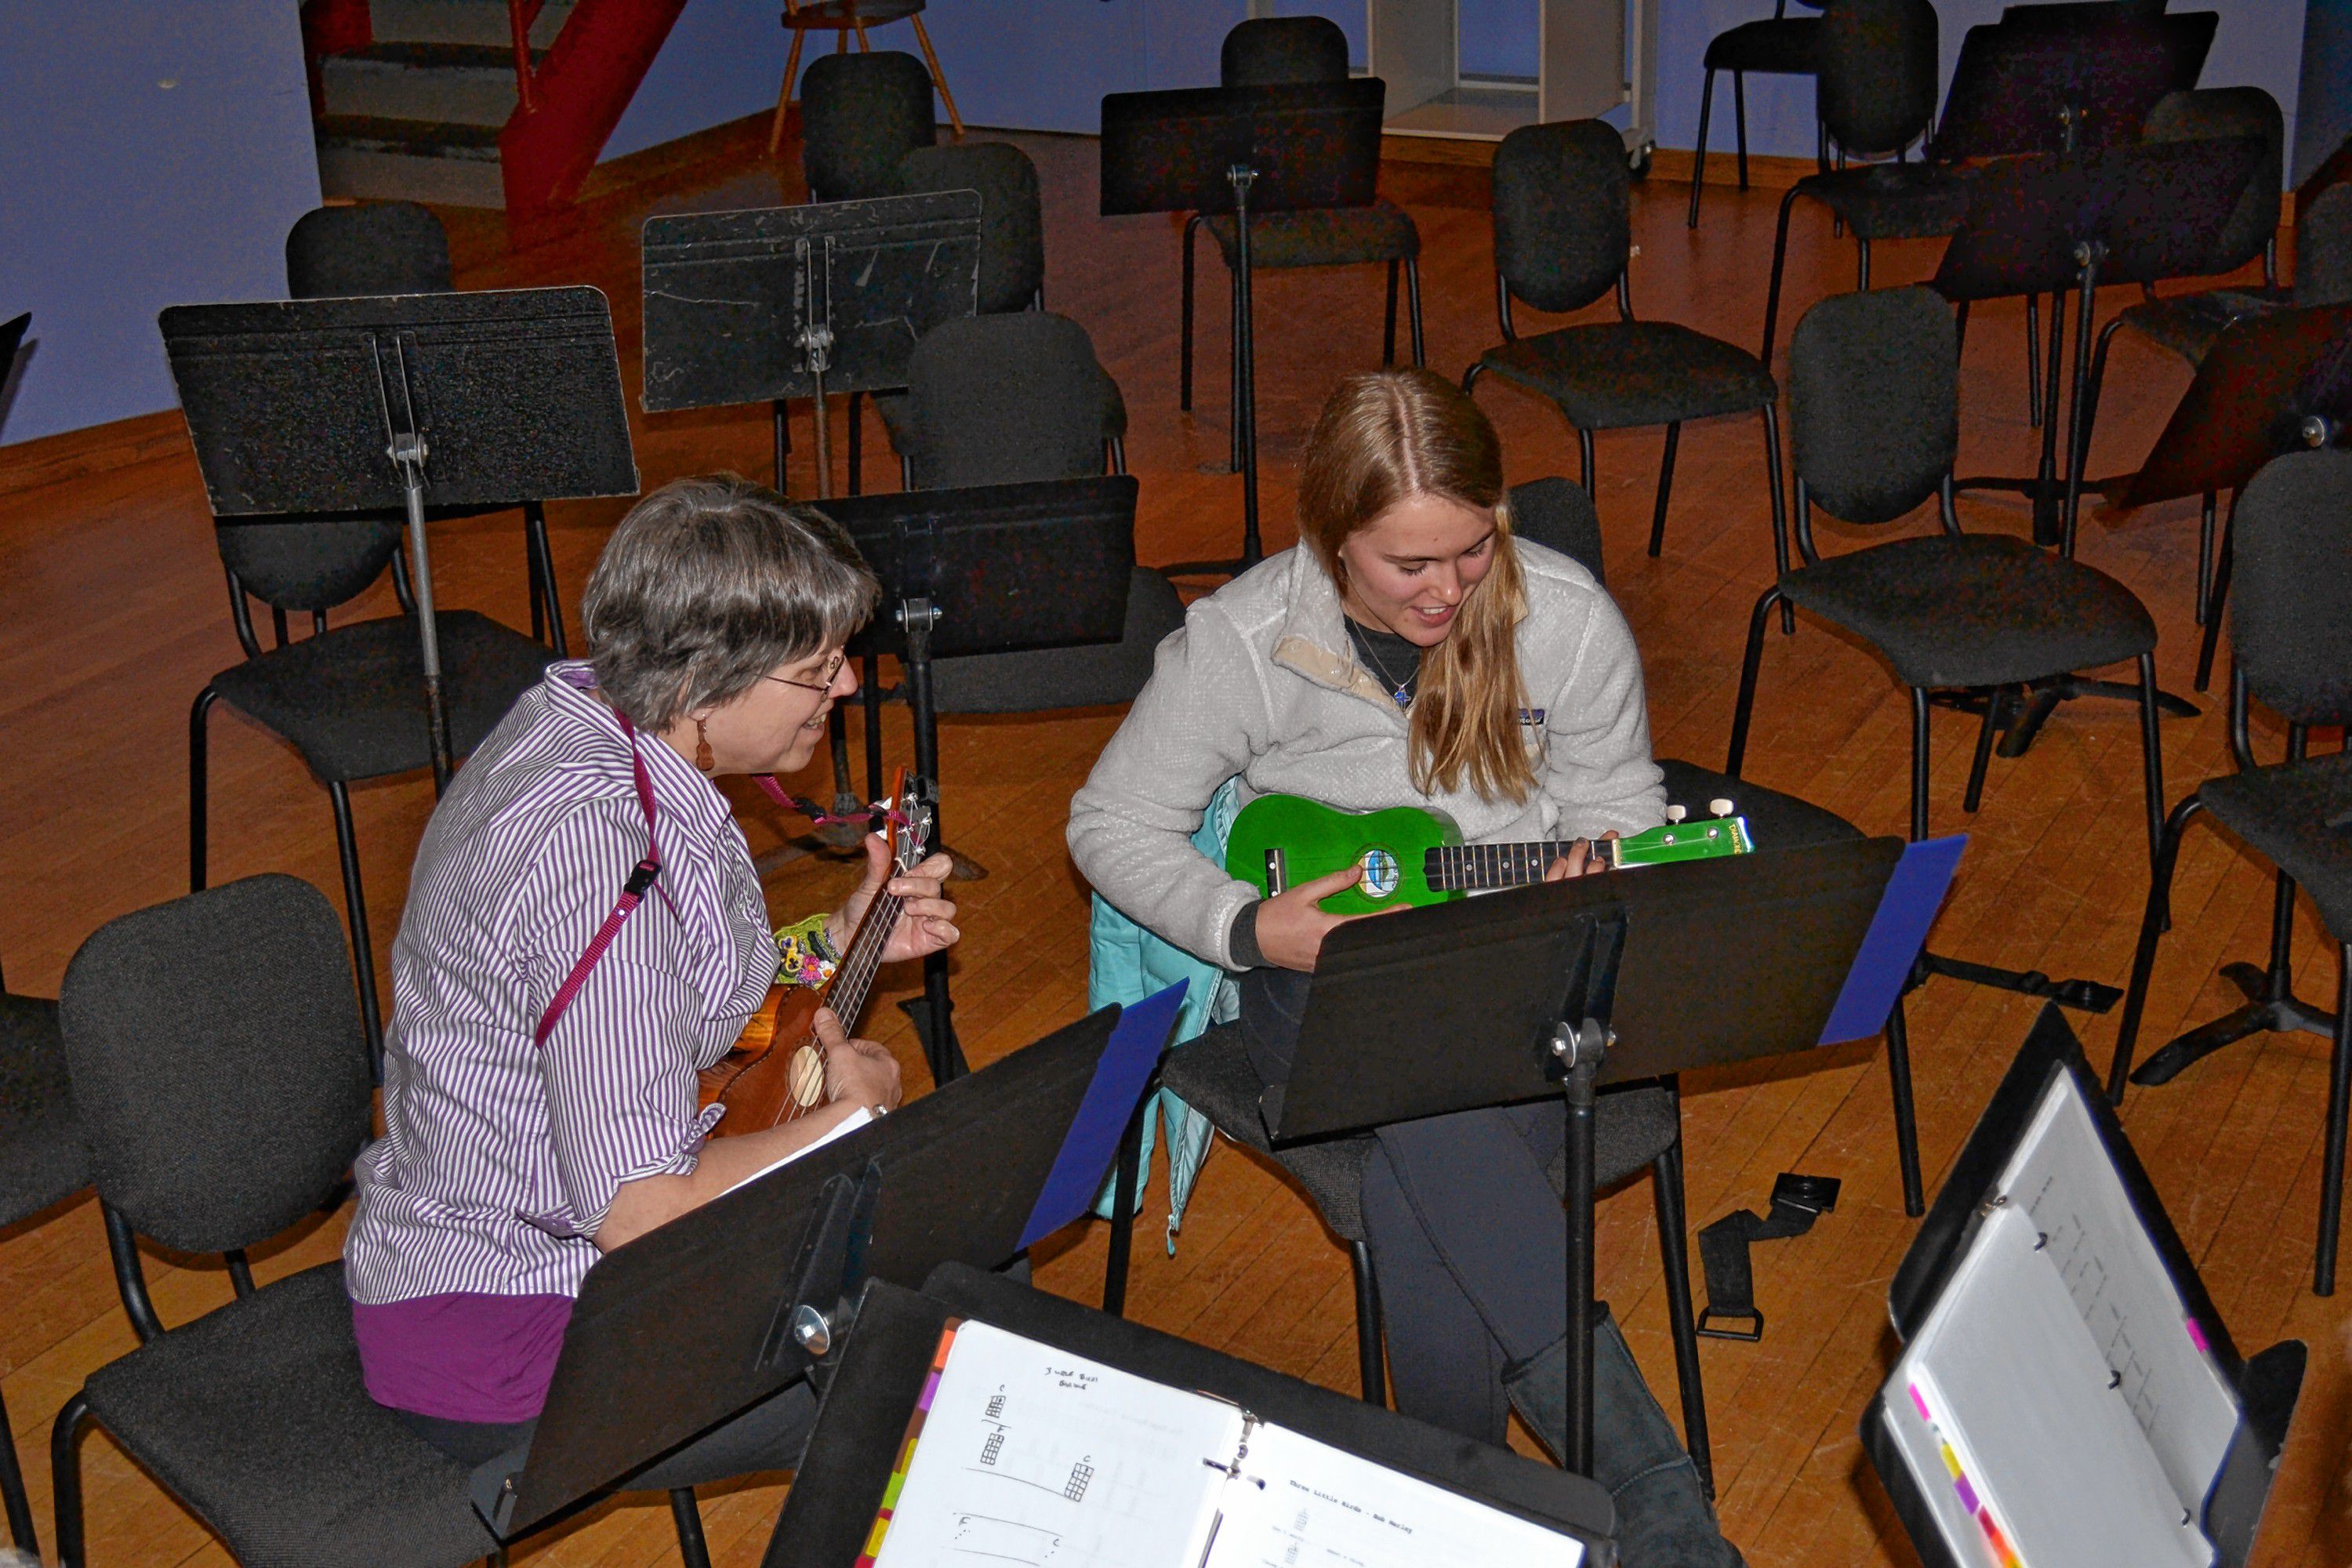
x=114, y=619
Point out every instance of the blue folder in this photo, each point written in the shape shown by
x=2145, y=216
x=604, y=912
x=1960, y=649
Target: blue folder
x=1136, y=1042
x=1898, y=931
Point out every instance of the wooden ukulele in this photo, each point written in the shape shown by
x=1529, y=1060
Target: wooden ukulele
x=1414, y=856
x=776, y=1069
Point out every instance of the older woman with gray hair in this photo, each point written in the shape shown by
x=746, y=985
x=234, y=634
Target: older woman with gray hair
x=541, y=1104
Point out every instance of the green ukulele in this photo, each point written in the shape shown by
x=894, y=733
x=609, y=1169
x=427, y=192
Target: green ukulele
x=1415, y=857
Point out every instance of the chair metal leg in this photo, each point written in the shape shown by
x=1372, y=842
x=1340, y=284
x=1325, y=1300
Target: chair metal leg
x=2339, y=1104
x=2218, y=598
x=2205, y=520
x=1747, y=668
x=12, y=1491
x=2151, y=747
x=1584, y=460
x=199, y=785
x=1739, y=120
x=1185, y=336
x=2151, y=931
x=2033, y=361
x=1779, y=264
x=1674, y=1253
x=1918, y=763
x=1776, y=488
x=1861, y=264
x=1996, y=702
x=1960, y=331
x=1698, y=159
x=1413, y=310
x=355, y=903
x=1665, y=488
x=65, y=1477
x=1370, y=1375
x=1907, y=1122
x=691, y=1548
x=1388, y=321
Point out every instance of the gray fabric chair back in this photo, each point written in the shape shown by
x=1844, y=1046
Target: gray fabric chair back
x=219, y=1069
x=2210, y=113
x=1875, y=402
x=1271, y=50
x=1012, y=213
x=373, y=248
x=1005, y=400
x=1563, y=212
x=1557, y=514
x=859, y=115
x=1877, y=76
x=2323, y=249
x=311, y=564
x=2290, y=618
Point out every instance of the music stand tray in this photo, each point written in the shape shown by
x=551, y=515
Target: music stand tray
x=1567, y=985
x=771, y=303
x=1241, y=150
x=700, y=1319
x=473, y=400
x=2067, y=1385
x=841, y=1487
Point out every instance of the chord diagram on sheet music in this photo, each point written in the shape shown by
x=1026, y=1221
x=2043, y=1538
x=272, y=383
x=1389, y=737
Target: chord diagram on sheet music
x=1080, y=1474
x=2068, y=1244
x=993, y=1446
x=1004, y=1540
x=995, y=1406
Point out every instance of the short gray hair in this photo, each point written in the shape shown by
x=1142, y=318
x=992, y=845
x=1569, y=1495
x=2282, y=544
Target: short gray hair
x=710, y=584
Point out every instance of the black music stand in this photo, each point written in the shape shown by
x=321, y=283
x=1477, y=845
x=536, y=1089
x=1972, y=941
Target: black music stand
x=990, y=569
x=12, y=338
x=1567, y=985
x=2048, y=1178
x=1241, y=150
x=840, y=1489
x=2049, y=78
x=480, y=401
x=723, y=1306
x=782, y=303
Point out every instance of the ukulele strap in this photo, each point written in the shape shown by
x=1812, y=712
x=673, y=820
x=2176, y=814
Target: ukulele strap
x=1796, y=1202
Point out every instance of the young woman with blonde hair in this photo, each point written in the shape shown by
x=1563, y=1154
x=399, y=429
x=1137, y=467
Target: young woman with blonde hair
x=1411, y=652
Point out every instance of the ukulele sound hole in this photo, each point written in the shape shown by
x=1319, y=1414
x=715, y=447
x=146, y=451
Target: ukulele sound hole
x=1382, y=874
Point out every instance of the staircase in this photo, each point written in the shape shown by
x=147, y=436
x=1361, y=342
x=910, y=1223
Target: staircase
x=429, y=107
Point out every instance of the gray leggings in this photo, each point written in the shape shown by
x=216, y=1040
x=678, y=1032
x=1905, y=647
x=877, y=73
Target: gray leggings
x=1468, y=1238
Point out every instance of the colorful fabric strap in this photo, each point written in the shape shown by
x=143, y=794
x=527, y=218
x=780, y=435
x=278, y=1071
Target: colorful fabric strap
x=803, y=954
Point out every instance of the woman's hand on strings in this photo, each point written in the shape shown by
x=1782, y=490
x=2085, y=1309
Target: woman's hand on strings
x=1291, y=925
x=858, y=1071
x=926, y=917
x=1580, y=861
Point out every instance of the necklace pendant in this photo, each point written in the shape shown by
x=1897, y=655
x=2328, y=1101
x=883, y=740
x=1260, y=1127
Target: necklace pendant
x=1404, y=698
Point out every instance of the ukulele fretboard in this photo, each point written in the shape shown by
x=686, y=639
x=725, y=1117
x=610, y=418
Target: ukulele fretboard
x=1471, y=868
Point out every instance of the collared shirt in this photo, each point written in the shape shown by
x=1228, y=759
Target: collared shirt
x=499, y=1157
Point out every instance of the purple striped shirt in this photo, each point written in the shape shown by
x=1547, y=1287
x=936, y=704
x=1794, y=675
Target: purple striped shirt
x=499, y=1161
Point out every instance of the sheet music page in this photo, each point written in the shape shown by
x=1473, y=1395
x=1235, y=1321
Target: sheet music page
x=861, y=1117
x=1298, y=1503
x=1030, y=1456
x=2061, y=1177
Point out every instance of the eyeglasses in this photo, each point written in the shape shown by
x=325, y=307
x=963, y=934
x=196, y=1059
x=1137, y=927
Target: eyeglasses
x=832, y=674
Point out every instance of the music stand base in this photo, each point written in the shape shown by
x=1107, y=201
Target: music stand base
x=2270, y=1009
x=946, y=1059
x=2083, y=995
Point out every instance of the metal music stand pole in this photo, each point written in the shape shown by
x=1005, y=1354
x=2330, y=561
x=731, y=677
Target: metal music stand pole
x=1242, y=176
x=406, y=449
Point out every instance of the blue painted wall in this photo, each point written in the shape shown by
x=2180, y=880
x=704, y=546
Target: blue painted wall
x=156, y=154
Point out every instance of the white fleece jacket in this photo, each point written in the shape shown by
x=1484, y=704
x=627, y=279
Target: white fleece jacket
x=1262, y=682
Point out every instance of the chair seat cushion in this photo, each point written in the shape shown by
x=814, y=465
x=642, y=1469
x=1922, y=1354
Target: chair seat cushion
x=1322, y=236
x=255, y=1417
x=2188, y=324
x=41, y=1153
x=2298, y=817
x=352, y=701
x=1984, y=609
x=1035, y=680
x=1893, y=201
x=1625, y=374
x=1782, y=46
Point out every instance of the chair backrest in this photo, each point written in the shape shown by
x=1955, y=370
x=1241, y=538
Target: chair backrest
x=1012, y=213
x=219, y=1069
x=2209, y=113
x=307, y=565
x=371, y=247
x=1563, y=216
x=1875, y=402
x=1557, y=514
x=859, y=115
x=2323, y=249
x=1875, y=65
x=2289, y=619
x=1004, y=400
x=1267, y=51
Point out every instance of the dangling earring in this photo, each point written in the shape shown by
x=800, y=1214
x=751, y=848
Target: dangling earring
x=702, y=757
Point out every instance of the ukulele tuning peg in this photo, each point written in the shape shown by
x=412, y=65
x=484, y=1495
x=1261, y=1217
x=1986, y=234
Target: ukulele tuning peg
x=1675, y=814
x=1719, y=807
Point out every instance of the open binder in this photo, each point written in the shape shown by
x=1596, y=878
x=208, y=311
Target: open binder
x=982, y=1420
x=2066, y=1393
